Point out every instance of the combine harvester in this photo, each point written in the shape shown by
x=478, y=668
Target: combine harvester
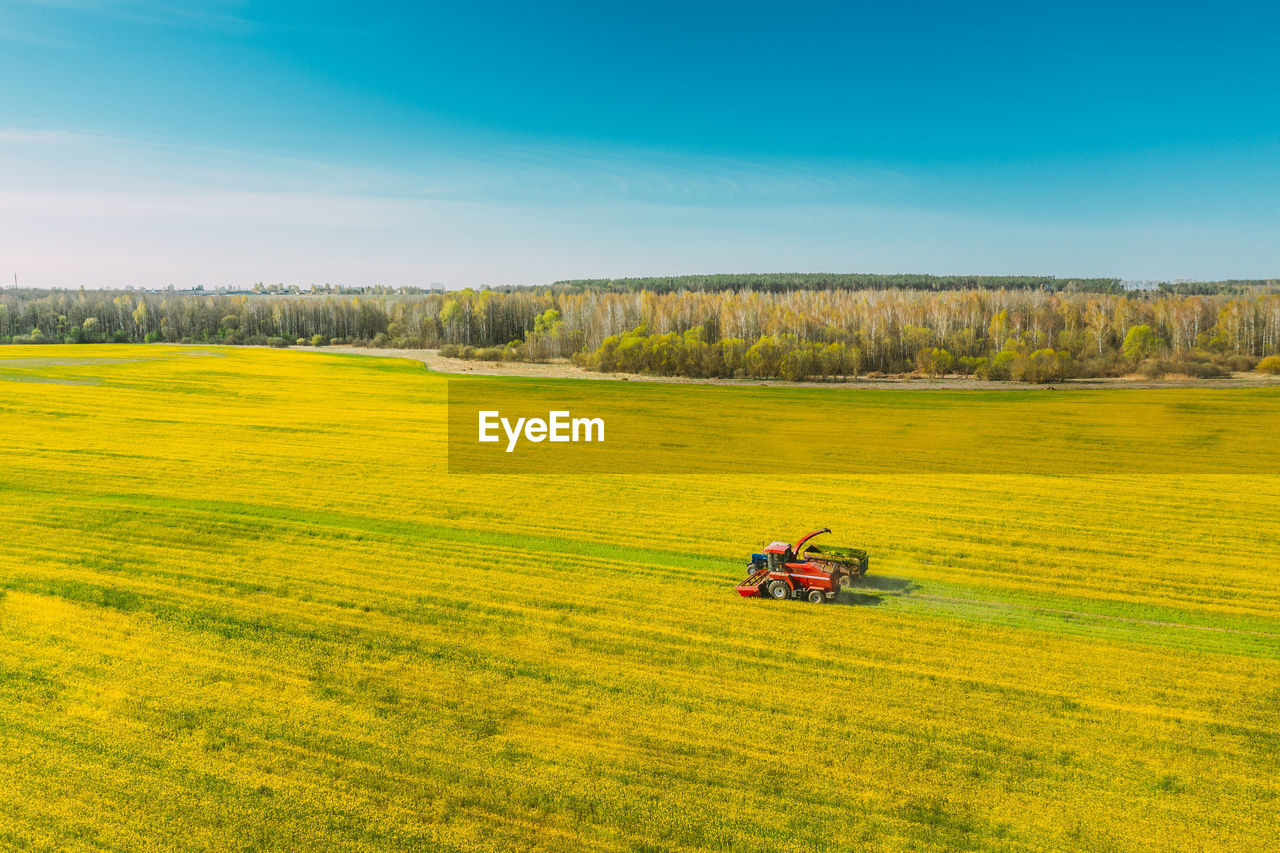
x=803, y=572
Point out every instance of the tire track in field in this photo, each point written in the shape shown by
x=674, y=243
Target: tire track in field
x=1159, y=623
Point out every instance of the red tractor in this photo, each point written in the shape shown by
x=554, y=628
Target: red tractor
x=817, y=574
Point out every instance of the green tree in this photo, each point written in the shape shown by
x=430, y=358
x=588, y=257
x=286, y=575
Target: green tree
x=832, y=360
x=764, y=359
x=998, y=330
x=1042, y=366
x=546, y=322
x=799, y=364
x=452, y=321
x=1000, y=366
x=1141, y=343
x=935, y=361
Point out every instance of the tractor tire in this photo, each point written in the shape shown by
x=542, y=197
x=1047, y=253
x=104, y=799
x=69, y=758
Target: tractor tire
x=844, y=581
x=779, y=590
x=816, y=596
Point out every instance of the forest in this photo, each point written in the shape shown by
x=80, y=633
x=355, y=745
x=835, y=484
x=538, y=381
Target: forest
x=1027, y=334
x=785, y=282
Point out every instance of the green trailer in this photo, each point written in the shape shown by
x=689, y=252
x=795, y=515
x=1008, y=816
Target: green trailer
x=842, y=562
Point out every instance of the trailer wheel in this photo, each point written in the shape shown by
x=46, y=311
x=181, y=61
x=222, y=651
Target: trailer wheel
x=779, y=590
x=817, y=596
x=844, y=582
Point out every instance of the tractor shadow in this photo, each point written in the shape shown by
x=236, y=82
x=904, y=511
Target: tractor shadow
x=878, y=589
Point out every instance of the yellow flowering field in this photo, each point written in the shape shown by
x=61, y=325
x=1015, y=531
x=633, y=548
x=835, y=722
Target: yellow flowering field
x=246, y=607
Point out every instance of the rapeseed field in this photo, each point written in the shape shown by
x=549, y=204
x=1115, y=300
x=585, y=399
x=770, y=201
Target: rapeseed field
x=247, y=607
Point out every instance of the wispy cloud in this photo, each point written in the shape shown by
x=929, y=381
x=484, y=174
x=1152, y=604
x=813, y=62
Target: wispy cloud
x=59, y=24
x=537, y=175
x=86, y=207
x=25, y=29
x=82, y=207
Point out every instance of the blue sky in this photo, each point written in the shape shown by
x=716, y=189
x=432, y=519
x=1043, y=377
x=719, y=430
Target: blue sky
x=215, y=142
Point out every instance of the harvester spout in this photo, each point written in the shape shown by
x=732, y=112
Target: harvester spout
x=799, y=549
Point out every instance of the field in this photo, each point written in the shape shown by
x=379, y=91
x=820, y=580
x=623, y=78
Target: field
x=245, y=607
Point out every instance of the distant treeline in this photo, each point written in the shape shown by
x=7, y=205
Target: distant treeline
x=1021, y=333
x=1226, y=286
x=784, y=282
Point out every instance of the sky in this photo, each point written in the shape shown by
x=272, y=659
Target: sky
x=226, y=142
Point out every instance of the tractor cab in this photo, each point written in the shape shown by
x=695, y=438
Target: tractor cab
x=777, y=555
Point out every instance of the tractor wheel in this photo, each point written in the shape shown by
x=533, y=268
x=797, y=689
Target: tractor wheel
x=779, y=590
x=844, y=581
x=817, y=596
